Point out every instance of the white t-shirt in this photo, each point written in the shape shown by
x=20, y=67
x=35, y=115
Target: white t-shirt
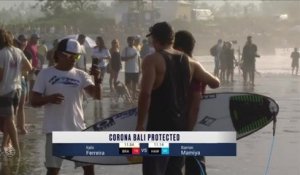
x=80, y=62
x=67, y=116
x=132, y=65
x=104, y=53
x=10, y=62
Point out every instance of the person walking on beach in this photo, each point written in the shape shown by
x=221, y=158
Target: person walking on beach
x=185, y=42
x=215, y=51
x=248, y=58
x=165, y=84
x=115, y=63
x=295, y=61
x=60, y=90
x=12, y=63
x=131, y=56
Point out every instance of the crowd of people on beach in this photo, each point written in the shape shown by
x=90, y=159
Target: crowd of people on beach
x=160, y=73
x=225, y=61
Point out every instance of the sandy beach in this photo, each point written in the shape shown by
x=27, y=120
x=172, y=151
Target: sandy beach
x=274, y=80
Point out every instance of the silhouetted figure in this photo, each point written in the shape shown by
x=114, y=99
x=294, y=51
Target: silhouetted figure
x=215, y=51
x=295, y=61
x=248, y=58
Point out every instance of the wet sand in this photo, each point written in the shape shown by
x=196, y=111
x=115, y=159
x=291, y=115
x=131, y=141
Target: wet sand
x=252, y=151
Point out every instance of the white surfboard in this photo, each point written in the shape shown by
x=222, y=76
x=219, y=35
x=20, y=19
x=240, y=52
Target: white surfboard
x=244, y=113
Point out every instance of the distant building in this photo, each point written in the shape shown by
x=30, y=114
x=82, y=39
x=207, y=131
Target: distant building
x=172, y=10
x=202, y=14
x=148, y=12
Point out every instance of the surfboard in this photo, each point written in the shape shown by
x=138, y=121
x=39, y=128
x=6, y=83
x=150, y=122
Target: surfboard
x=244, y=113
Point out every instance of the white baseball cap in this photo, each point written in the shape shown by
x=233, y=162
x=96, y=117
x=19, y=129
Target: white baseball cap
x=68, y=45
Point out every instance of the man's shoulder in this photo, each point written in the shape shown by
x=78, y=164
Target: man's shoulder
x=80, y=72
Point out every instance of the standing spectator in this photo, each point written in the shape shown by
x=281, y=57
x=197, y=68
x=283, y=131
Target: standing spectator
x=50, y=53
x=222, y=61
x=115, y=63
x=21, y=44
x=146, y=49
x=81, y=63
x=295, y=61
x=137, y=42
x=230, y=62
x=32, y=50
x=101, y=55
x=131, y=57
x=248, y=59
x=42, y=53
x=11, y=64
x=215, y=51
x=60, y=90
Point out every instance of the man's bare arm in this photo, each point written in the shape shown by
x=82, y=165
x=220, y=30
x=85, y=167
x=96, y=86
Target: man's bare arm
x=95, y=90
x=147, y=82
x=201, y=75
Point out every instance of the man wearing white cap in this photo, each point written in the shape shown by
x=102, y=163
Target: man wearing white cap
x=60, y=90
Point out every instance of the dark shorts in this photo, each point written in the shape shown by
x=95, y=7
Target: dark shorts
x=9, y=103
x=153, y=165
x=131, y=78
x=249, y=67
x=295, y=63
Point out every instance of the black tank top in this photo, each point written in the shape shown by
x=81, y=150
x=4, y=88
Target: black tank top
x=168, y=105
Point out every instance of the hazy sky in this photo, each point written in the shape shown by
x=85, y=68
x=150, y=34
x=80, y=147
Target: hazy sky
x=9, y=3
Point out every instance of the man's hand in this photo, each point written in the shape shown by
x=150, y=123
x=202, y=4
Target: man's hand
x=56, y=98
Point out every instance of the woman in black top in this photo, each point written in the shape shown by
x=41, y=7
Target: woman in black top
x=115, y=63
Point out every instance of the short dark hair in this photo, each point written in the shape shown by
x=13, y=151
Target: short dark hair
x=185, y=41
x=162, y=32
x=81, y=36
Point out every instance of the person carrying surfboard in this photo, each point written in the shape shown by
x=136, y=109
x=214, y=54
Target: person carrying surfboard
x=166, y=79
x=185, y=42
x=60, y=90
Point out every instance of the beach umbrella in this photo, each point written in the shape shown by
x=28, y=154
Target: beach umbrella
x=89, y=42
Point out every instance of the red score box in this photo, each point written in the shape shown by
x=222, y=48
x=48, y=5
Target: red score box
x=136, y=151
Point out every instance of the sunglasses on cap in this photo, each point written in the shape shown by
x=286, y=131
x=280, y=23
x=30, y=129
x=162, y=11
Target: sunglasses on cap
x=73, y=56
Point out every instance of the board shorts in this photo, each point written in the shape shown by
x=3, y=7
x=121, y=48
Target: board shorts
x=131, y=78
x=9, y=103
x=53, y=161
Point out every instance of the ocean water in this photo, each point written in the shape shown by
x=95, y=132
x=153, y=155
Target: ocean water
x=274, y=80
x=266, y=64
